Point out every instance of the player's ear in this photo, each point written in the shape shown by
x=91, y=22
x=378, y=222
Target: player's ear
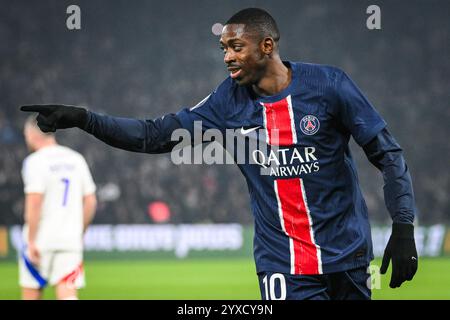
x=267, y=46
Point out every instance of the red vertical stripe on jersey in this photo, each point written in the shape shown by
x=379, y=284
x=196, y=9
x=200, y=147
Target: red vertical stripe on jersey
x=278, y=123
x=297, y=225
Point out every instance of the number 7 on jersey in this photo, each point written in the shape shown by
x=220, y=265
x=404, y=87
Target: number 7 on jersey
x=66, y=190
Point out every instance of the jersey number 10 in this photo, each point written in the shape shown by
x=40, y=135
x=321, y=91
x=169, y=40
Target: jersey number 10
x=269, y=287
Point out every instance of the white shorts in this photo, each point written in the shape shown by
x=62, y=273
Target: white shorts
x=55, y=267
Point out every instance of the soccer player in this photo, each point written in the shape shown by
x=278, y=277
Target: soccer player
x=60, y=203
x=312, y=234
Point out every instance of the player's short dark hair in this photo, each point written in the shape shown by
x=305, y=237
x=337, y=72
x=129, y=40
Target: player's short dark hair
x=257, y=21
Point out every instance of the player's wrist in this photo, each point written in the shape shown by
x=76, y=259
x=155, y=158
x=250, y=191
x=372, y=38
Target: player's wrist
x=31, y=245
x=80, y=116
x=403, y=230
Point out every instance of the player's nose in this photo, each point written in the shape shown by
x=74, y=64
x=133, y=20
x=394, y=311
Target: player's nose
x=228, y=57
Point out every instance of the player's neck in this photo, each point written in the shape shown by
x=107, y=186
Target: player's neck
x=46, y=143
x=277, y=78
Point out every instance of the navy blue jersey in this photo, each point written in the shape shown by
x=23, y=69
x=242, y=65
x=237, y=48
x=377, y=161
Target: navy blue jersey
x=310, y=215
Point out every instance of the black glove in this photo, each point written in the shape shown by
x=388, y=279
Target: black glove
x=52, y=117
x=401, y=248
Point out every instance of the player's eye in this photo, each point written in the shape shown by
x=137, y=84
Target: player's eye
x=237, y=48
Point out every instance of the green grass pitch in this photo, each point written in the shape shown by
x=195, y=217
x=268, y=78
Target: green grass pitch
x=211, y=279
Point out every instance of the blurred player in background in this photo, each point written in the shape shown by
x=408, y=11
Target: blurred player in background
x=312, y=232
x=60, y=203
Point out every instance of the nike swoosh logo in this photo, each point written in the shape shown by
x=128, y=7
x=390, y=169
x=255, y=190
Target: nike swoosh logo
x=247, y=131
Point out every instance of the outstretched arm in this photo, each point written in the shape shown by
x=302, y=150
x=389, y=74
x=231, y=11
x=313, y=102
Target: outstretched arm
x=385, y=153
x=150, y=136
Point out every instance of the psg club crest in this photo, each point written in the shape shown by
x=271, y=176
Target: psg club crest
x=309, y=125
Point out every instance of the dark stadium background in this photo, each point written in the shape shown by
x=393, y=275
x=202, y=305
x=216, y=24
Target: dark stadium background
x=143, y=59
x=147, y=58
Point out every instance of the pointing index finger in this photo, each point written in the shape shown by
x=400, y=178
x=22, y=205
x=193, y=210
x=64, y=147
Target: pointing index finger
x=44, y=108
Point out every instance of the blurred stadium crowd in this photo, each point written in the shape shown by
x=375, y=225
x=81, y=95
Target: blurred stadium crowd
x=145, y=59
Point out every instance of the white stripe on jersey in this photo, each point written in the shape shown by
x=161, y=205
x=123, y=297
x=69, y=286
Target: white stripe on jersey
x=200, y=103
x=291, y=115
x=311, y=231
x=291, y=241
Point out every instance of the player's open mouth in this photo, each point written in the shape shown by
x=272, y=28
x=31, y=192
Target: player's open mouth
x=234, y=73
